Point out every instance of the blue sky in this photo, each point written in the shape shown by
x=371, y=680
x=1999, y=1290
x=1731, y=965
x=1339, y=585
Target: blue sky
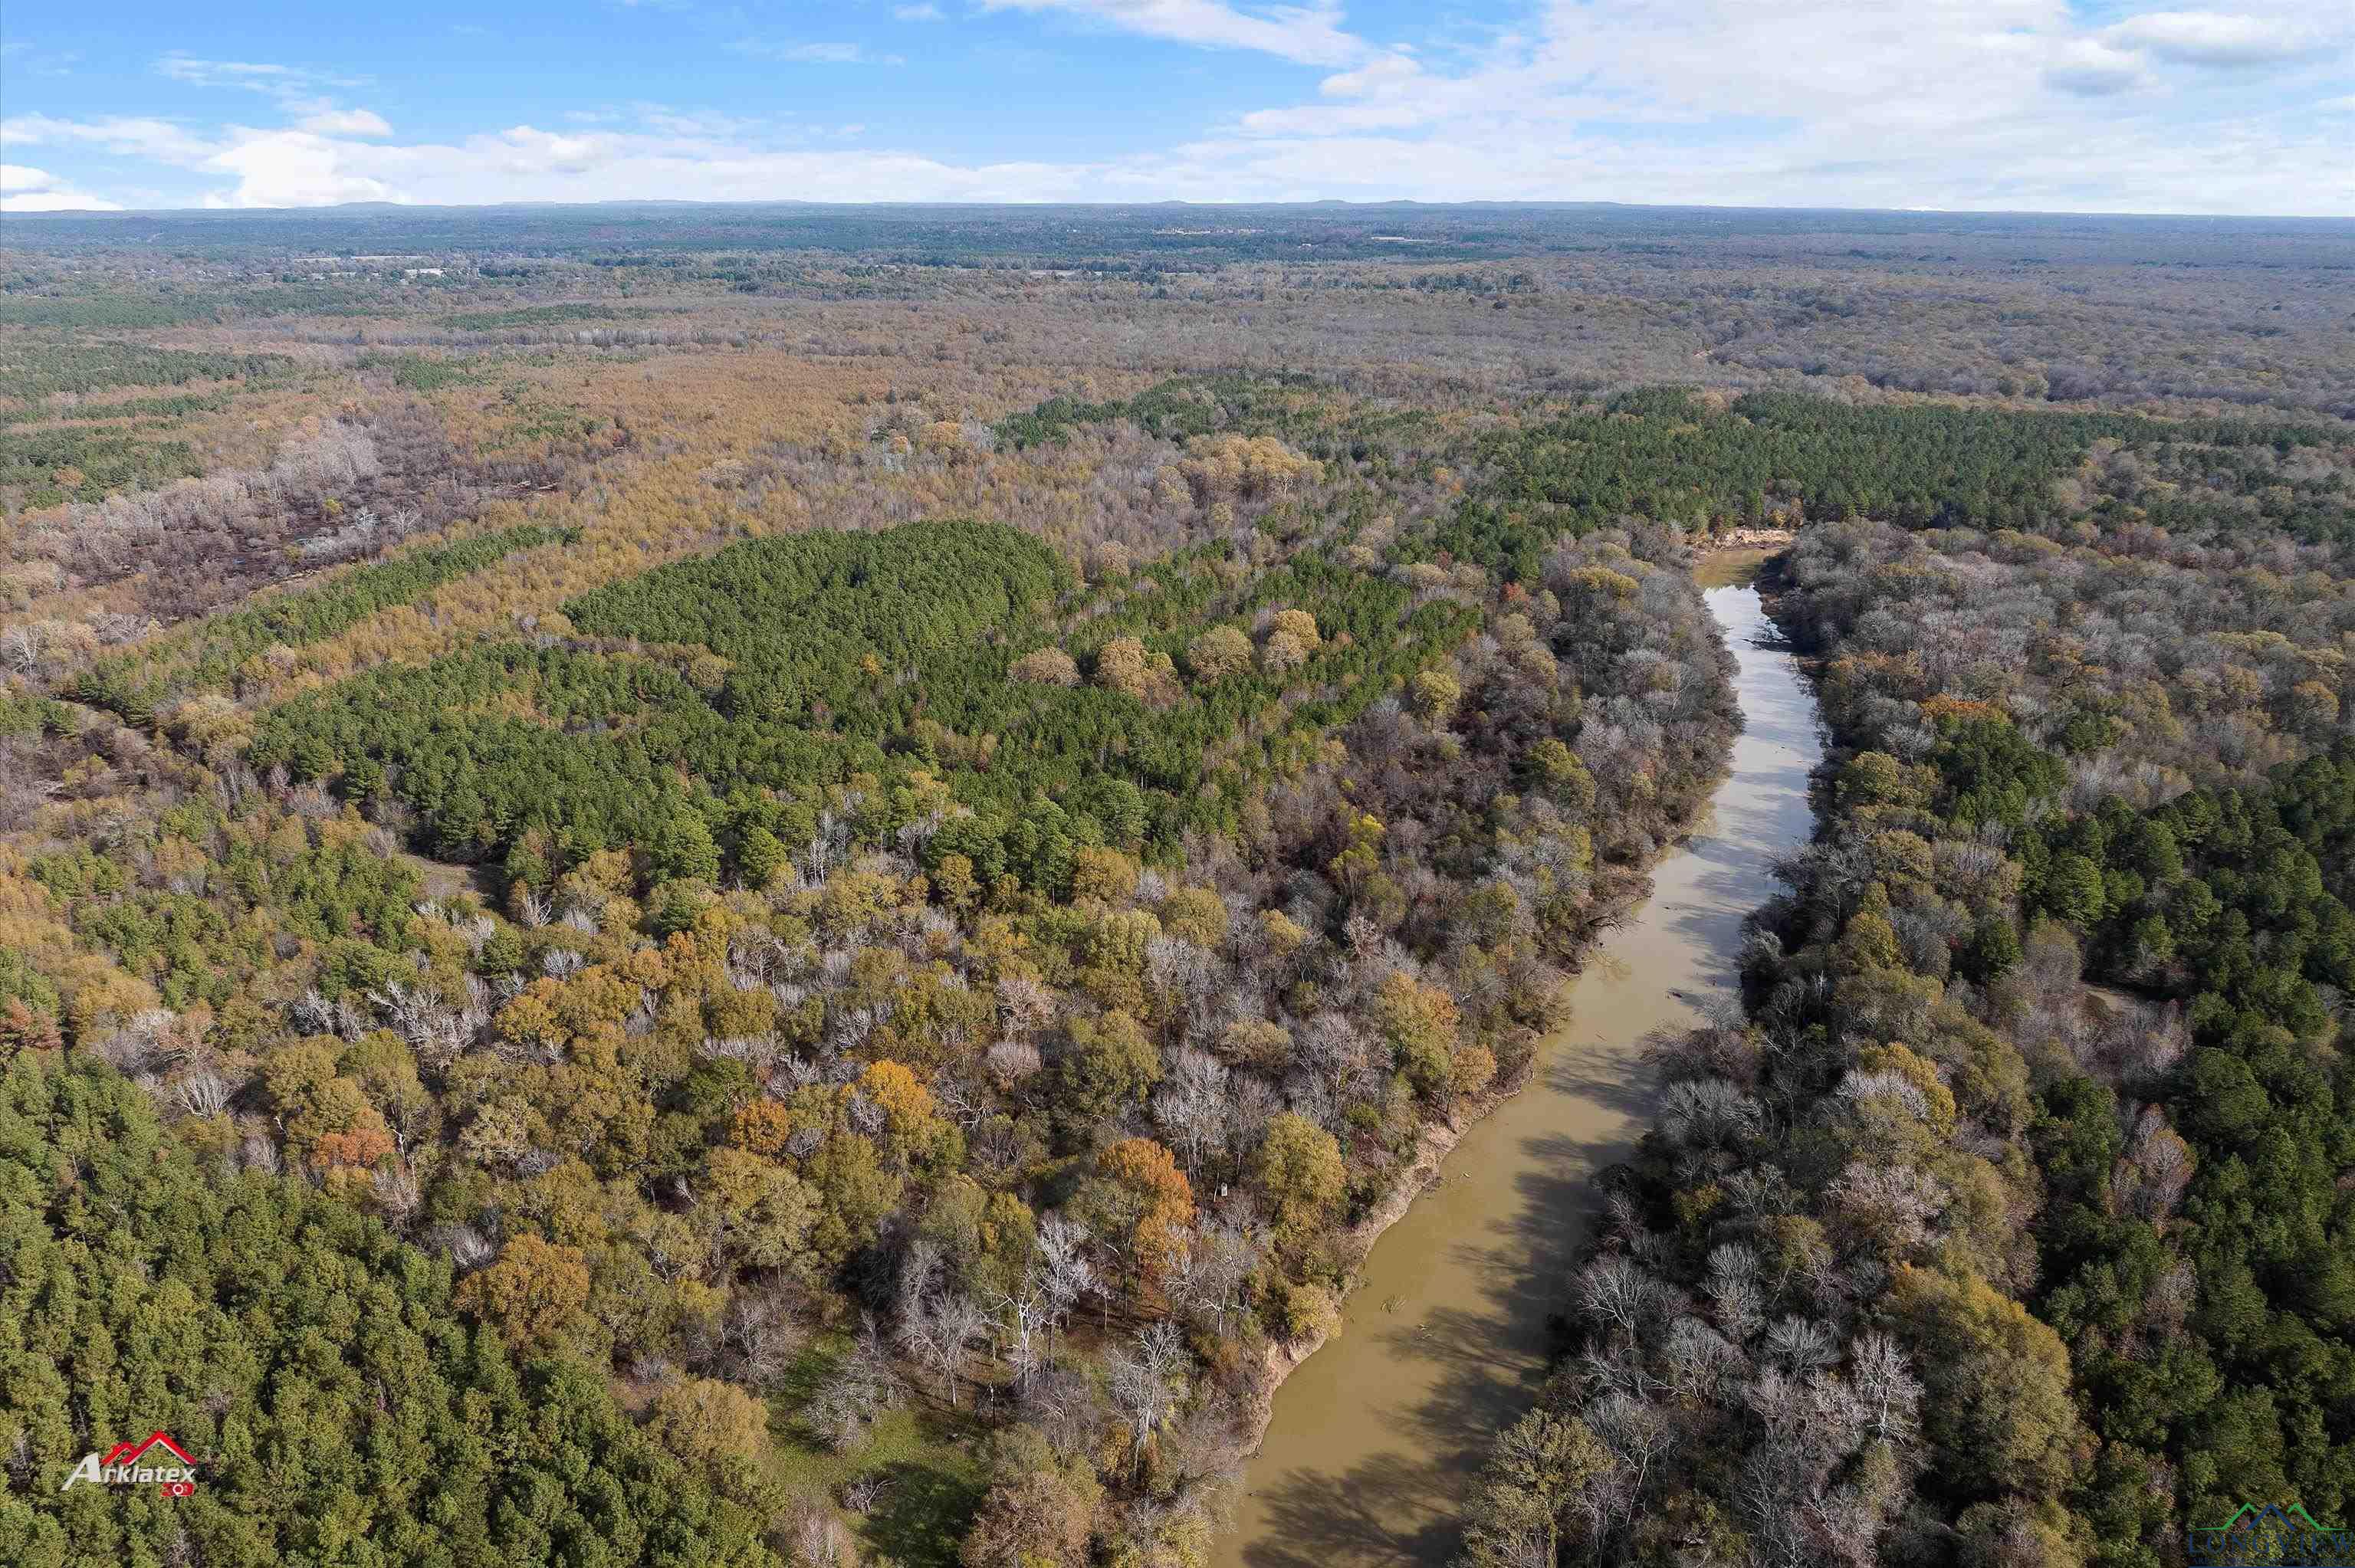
x=2035, y=104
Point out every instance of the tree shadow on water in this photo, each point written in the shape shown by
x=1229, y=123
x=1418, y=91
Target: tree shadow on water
x=1628, y=1090
x=1491, y=1356
x=1386, y=1512
x=1485, y=1380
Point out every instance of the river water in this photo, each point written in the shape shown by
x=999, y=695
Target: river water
x=1377, y=1437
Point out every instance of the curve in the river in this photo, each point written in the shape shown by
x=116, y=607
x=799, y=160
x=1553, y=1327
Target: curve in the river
x=1377, y=1437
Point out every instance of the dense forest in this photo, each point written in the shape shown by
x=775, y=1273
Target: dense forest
x=778, y=888
x=315, y=1361
x=905, y=1008
x=2012, y=1223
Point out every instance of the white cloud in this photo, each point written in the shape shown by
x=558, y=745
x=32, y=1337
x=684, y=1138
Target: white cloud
x=1960, y=105
x=26, y=60
x=813, y=53
x=924, y=13
x=278, y=80
x=344, y=123
x=223, y=73
x=1375, y=76
x=272, y=168
x=524, y=162
x=1308, y=35
x=296, y=89
x=704, y=123
x=1951, y=103
x=133, y=136
x=2094, y=68
x=2217, y=38
x=27, y=189
x=291, y=168
x=2123, y=169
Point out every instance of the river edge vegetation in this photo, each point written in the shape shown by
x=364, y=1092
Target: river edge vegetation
x=850, y=866
x=2011, y=1222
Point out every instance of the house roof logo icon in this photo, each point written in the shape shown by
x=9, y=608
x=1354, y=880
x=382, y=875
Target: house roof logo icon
x=2286, y=1537
x=127, y=1452
x=120, y=1466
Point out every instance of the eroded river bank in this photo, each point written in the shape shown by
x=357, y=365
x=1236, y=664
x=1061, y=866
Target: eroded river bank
x=1375, y=1438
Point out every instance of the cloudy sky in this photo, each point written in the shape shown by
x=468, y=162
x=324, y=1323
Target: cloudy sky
x=2001, y=104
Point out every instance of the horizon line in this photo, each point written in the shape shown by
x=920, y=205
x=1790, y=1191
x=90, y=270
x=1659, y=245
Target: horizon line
x=393, y=207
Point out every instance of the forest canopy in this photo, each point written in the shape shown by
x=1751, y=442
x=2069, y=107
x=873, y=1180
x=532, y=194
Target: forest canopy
x=311, y=1365
x=788, y=883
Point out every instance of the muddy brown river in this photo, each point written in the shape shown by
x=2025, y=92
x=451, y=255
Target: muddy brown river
x=1378, y=1436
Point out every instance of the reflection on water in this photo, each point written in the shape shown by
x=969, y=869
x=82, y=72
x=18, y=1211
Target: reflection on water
x=1377, y=1437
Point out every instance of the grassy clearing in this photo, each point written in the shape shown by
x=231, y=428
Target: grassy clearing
x=930, y=1481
